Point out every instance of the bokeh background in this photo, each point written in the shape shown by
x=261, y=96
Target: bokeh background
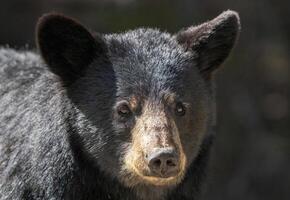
x=251, y=157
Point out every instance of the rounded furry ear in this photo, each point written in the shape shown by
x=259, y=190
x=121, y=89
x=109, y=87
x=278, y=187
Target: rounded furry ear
x=67, y=46
x=211, y=41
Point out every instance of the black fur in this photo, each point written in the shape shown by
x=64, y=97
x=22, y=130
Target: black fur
x=58, y=136
x=66, y=46
x=212, y=40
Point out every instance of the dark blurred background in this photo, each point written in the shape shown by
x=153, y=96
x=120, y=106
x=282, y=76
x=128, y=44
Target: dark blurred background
x=251, y=157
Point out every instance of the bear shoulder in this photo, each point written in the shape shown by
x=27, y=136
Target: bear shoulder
x=19, y=65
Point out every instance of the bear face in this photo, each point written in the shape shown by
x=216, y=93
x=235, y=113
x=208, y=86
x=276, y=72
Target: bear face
x=160, y=103
x=143, y=98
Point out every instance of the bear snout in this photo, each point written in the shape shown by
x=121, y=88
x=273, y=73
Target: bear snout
x=164, y=162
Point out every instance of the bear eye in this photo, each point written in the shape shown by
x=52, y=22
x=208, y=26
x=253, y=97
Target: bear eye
x=180, y=109
x=123, y=109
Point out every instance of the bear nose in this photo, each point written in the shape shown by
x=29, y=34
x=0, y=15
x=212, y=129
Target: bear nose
x=163, y=162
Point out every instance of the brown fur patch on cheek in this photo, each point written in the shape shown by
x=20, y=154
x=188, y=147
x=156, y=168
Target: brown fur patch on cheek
x=133, y=160
x=134, y=102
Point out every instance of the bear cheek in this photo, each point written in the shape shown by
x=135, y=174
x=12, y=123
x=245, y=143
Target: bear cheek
x=192, y=132
x=134, y=157
x=138, y=152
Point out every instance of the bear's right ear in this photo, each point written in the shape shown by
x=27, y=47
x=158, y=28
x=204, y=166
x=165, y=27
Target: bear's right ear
x=67, y=46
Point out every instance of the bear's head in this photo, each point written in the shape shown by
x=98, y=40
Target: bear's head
x=144, y=97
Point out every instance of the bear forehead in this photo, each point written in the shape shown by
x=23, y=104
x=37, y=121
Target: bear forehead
x=146, y=44
x=148, y=56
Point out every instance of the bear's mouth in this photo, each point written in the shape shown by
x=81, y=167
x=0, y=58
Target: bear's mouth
x=161, y=181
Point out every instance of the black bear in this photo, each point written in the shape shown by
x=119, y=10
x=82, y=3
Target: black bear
x=115, y=116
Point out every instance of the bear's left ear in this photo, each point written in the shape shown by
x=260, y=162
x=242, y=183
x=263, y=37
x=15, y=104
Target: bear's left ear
x=211, y=41
x=67, y=46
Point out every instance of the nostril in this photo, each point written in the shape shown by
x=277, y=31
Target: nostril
x=170, y=163
x=157, y=163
